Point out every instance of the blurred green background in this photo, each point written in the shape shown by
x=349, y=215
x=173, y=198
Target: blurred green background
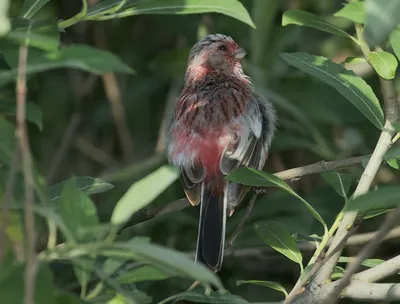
x=80, y=136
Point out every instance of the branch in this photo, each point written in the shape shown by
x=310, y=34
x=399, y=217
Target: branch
x=291, y=174
x=379, y=272
x=22, y=136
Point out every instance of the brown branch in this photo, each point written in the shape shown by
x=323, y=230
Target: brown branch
x=291, y=174
x=22, y=136
x=113, y=94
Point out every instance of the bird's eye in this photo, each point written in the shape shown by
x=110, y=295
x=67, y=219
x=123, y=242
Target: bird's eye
x=222, y=48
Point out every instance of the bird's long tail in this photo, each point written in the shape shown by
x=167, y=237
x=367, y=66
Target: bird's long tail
x=211, y=234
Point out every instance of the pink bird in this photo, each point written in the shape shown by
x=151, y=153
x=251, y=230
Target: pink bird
x=220, y=125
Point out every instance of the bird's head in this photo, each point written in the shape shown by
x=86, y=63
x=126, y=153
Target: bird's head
x=215, y=53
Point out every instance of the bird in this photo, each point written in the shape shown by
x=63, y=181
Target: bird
x=219, y=125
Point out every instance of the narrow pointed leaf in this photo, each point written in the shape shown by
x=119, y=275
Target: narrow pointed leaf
x=145, y=273
x=280, y=239
x=353, y=11
x=142, y=193
x=340, y=182
x=310, y=20
x=384, y=197
x=367, y=263
x=269, y=284
x=253, y=177
x=382, y=17
x=213, y=298
x=384, y=63
x=346, y=82
x=395, y=41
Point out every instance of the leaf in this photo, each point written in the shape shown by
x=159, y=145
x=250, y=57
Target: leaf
x=41, y=34
x=142, y=193
x=367, y=263
x=213, y=298
x=384, y=197
x=340, y=182
x=253, y=177
x=144, y=273
x=86, y=184
x=232, y=8
x=354, y=88
x=280, y=239
x=353, y=11
x=384, y=63
x=269, y=284
x=395, y=41
x=394, y=163
x=5, y=24
x=7, y=141
x=30, y=7
x=33, y=112
x=374, y=213
x=337, y=273
x=382, y=17
x=355, y=60
x=393, y=152
x=77, y=56
x=310, y=20
x=173, y=262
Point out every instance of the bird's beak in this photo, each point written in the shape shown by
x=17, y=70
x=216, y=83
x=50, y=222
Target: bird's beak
x=239, y=53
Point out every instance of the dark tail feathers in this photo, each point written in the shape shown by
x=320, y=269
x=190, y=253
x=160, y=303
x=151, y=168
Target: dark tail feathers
x=211, y=235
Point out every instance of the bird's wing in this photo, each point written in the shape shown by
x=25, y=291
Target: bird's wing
x=191, y=178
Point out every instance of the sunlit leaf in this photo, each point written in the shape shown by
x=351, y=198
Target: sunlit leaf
x=384, y=63
x=353, y=11
x=5, y=24
x=384, y=197
x=381, y=19
x=337, y=273
x=86, y=184
x=310, y=20
x=346, y=82
x=340, y=182
x=367, y=263
x=30, y=7
x=253, y=177
x=269, y=284
x=142, y=193
x=280, y=239
x=232, y=8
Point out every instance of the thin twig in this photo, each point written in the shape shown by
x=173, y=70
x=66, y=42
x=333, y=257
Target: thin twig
x=87, y=148
x=22, y=136
x=113, y=93
x=291, y=174
x=368, y=249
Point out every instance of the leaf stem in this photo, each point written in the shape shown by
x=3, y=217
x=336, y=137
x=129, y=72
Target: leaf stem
x=75, y=19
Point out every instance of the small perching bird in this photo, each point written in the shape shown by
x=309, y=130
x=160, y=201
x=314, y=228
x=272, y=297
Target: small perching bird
x=220, y=125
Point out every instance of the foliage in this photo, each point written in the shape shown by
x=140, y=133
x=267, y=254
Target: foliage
x=102, y=78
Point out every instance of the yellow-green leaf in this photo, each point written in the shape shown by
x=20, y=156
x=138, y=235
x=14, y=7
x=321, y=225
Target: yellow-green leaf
x=353, y=11
x=384, y=63
x=269, y=284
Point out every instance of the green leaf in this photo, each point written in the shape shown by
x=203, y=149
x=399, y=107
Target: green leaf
x=213, y=298
x=382, y=17
x=76, y=209
x=340, y=182
x=144, y=273
x=280, y=239
x=310, y=20
x=393, y=152
x=395, y=41
x=253, y=177
x=269, y=284
x=384, y=197
x=346, y=82
x=30, y=7
x=394, y=163
x=170, y=261
x=41, y=34
x=367, y=263
x=7, y=141
x=33, y=112
x=355, y=60
x=5, y=24
x=337, y=273
x=384, y=63
x=86, y=184
x=374, y=213
x=353, y=11
x=81, y=57
x=232, y=8
x=142, y=193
